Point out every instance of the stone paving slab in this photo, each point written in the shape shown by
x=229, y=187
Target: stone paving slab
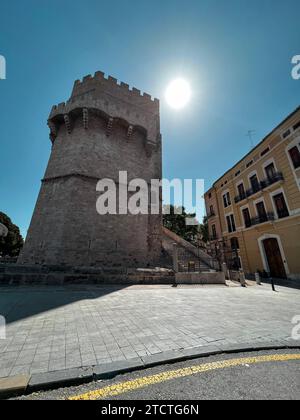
x=52, y=329
x=12, y=386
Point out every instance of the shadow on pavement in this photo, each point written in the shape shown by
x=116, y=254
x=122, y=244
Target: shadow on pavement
x=293, y=284
x=17, y=303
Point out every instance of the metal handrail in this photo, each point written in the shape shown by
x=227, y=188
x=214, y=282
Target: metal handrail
x=276, y=177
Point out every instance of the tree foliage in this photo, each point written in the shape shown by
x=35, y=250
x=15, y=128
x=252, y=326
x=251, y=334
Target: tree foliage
x=177, y=223
x=12, y=244
x=203, y=228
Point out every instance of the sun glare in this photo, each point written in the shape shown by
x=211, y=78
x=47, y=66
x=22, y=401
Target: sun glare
x=178, y=93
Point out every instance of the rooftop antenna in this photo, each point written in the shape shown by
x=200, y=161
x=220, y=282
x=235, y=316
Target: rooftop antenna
x=250, y=134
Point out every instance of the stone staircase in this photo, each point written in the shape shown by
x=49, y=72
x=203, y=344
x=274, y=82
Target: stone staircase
x=188, y=262
x=190, y=258
x=194, y=265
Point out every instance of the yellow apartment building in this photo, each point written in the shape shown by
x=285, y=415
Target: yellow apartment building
x=254, y=208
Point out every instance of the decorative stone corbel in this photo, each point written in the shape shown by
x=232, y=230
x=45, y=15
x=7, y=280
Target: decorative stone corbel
x=109, y=126
x=53, y=130
x=68, y=123
x=130, y=131
x=85, y=116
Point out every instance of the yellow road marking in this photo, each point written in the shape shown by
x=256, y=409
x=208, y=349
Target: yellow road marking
x=123, y=387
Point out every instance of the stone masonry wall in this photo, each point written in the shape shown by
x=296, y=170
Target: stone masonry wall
x=103, y=129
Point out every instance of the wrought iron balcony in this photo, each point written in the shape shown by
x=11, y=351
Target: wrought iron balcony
x=255, y=189
x=248, y=193
x=283, y=213
x=213, y=238
x=268, y=217
x=211, y=214
x=240, y=197
x=270, y=180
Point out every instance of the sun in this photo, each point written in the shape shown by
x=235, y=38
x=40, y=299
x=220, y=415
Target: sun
x=178, y=93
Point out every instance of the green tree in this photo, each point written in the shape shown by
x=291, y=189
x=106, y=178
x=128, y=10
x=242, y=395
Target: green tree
x=12, y=244
x=204, y=229
x=177, y=223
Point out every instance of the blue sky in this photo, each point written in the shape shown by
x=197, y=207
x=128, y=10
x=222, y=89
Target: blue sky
x=236, y=55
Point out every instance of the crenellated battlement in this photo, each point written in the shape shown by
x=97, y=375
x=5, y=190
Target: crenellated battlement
x=59, y=108
x=116, y=88
x=116, y=101
x=109, y=85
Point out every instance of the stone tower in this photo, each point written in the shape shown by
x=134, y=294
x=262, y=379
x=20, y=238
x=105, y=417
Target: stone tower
x=104, y=128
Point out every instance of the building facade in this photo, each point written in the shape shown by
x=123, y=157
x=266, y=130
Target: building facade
x=254, y=209
x=104, y=128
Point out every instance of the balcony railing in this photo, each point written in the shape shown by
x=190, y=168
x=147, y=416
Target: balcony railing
x=240, y=197
x=211, y=214
x=255, y=189
x=283, y=213
x=268, y=217
x=276, y=177
x=213, y=238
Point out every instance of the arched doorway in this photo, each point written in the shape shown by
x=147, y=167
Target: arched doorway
x=274, y=258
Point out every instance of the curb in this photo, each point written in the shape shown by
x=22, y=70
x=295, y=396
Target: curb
x=26, y=384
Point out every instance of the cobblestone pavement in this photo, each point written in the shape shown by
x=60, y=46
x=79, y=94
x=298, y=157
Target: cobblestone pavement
x=55, y=328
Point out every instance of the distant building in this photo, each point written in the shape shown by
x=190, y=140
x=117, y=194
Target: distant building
x=254, y=208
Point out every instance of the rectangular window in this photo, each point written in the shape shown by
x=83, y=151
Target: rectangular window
x=214, y=232
x=247, y=218
x=231, y=223
x=226, y=200
x=234, y=244
x=281, y=206
x=296, y=126
x=254, y=183
x=264, y=152
x=241, y=190
x=270, y=171
x=211, y=209
x=261, y=212
x=295, y=156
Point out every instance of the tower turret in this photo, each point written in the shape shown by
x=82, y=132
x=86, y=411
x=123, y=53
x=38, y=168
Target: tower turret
x=104, y=128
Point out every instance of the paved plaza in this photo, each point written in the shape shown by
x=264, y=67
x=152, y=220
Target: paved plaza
x=56, y=328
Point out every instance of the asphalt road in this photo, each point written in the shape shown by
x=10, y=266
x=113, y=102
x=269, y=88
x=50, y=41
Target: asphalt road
x=261, y=375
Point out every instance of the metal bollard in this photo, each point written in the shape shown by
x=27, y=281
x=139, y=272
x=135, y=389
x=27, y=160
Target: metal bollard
x=257, y=279
x=273, y=284
x=242, y=278
x=225, y=271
